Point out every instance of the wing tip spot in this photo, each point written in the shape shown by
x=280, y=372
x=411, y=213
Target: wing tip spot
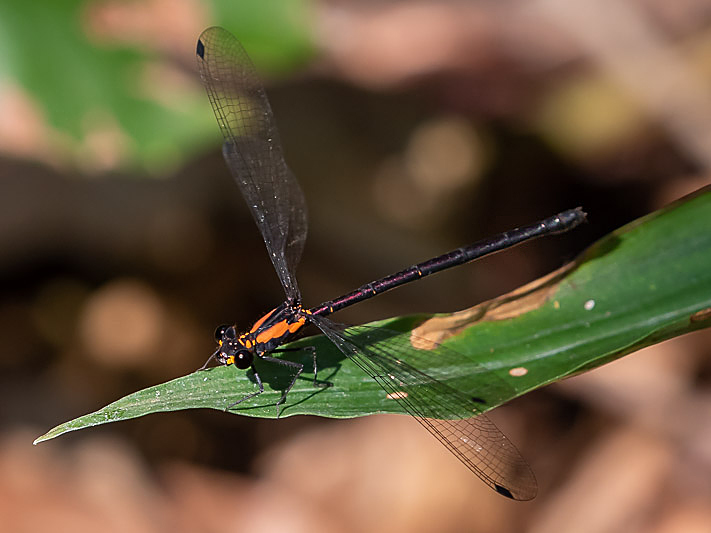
x=503, y=491
x=200, y=49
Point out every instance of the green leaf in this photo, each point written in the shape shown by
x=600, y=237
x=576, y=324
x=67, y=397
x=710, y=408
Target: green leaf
x=642, y=284
x=146, y=105
x=274, y=32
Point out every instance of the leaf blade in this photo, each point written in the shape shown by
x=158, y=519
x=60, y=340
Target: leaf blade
x=644, y=283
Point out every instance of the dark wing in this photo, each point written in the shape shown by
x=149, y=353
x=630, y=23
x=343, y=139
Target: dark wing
x=252, y=150
x=451, y=416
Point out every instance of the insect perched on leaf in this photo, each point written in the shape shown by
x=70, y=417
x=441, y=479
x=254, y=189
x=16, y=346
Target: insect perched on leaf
x=254, y=156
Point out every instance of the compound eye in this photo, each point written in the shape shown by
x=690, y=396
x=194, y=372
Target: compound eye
x=220, y=332
x=243, y=359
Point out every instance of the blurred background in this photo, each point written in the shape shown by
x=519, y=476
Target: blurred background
x=414, y=127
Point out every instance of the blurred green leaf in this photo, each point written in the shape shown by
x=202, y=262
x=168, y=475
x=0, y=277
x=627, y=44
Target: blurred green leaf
x=83, y=87
x=276, y=33
x=644, y=283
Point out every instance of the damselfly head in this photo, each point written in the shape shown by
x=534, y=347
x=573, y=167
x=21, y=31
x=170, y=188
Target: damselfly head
x=232, y=349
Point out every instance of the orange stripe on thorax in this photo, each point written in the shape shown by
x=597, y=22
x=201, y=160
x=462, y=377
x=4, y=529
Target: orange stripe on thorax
x=261, y=321
x=279, y=330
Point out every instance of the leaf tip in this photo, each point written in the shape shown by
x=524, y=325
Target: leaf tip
x=52, y=433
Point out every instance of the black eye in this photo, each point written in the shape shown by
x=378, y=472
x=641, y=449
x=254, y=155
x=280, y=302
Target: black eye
x=220, y=332
x=243, y=359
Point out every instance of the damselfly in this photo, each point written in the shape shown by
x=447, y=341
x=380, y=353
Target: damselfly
x=254, y=156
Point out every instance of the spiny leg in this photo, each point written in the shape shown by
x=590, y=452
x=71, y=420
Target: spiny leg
x=260, y=391
x=311, y=349
x=299, y=369
x=214, y=354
